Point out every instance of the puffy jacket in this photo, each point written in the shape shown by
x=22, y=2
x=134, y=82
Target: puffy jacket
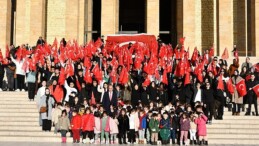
x=76, y=122
x=88, y=122
x=154, y=125
x=142, y=122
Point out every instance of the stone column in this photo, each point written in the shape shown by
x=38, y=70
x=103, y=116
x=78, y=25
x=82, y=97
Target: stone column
x=81, y=23
x=5, y=24
x=225, y=18
x=152, y=14
x=108, y=17
x=89, y=19
x=257, y=27
x=37, y=20
x=189, y=22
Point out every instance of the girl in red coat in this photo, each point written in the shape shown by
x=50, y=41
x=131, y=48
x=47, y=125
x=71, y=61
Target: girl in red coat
x=201, y=125
x=76, y=124
x=88, y=126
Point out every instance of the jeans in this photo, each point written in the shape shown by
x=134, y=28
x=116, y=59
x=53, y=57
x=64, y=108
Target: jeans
x=173, y=135
x=141, y=134
x=192, y=134
x=63, y=133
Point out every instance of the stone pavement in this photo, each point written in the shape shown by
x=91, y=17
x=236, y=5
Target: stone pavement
x=71, y=144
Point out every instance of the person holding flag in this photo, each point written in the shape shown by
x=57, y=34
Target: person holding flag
x=252, y=88
x=239, y=92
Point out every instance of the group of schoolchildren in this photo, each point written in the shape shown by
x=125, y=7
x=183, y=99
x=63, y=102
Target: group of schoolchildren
x=141, y=125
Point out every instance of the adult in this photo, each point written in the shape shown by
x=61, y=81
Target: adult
x=20, y=73
x=40, y=41
x=31, y=80
x=236, y=98
x=252, y=97
x=247, y=64
x=109, y=98
x=46, y=101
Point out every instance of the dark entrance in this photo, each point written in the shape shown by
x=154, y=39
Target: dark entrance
x=96, y=27
x=132, y=16
x=167, y=22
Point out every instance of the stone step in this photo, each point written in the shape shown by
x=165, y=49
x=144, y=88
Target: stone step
x=240, y=117
x=32, y=114
x=19, y=106
x=14, y=98
x=13, y=110
x=232, y=136
x=233, y=126
x=232, y=131
x=234, y=121
x=13, y=102
x=28, y=133
x=240, y=141
x=19, y=123
x=44, y=139
x=21, y=128
x=19, y=118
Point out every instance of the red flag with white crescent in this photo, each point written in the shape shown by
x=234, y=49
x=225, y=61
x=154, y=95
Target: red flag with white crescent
x=241, y=88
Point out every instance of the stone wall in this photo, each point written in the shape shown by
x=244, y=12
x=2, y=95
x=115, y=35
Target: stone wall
x=5, y=23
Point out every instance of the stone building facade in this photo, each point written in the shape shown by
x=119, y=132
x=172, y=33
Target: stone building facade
x=223, y=23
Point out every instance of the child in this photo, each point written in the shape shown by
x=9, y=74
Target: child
x=133, y=126
x=142, y=126
x=193, y=129
x=165, y=128
x=201, y=125
x=185, y=127
x=76, y=123
x=97, y=128
x=63, y=125
x=174, y=126
x=105, y=128
x=123, y=126
x=154, y=128
x=113, y=123
x=88, y=126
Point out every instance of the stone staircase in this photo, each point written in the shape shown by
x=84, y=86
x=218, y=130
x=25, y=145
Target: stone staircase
x=19, y=122
x=242, y=130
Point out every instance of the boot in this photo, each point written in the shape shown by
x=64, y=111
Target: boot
x=181, y=143
x=199, y=142
x=194, y=142
x=206, y=143
x=190, y=142
x=64, y=140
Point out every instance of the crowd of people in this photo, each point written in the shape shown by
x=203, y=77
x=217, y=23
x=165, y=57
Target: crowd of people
x=131, y=93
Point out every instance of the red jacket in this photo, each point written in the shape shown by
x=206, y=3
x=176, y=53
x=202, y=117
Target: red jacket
x=88, y=122
x=76, y=122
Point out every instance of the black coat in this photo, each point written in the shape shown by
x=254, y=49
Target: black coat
x=144, y=97
x=135, y=97
x=208, y=96
x=123, y=123
x=107, y=102
x=251, y=84
x=152, y=91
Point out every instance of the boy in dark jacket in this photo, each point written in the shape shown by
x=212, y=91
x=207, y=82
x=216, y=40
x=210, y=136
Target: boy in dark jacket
x=174, y=122
x=123, y=126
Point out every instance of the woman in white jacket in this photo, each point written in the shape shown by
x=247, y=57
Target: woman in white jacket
x=20, y=73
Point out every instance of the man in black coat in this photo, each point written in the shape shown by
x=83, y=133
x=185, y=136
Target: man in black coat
x=109, y=98
x=252, y=98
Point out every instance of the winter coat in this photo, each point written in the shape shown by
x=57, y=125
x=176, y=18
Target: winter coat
x=76, y=122
x=175, y=122
x=113, y=123
x=144, y=97
x=185, y=125
x=165, y=123
x=88, y=122
x=154, y=126
x=63, y=123
x=134, y=122
x=56, y=113
x=142, y=122
x=97, y=128
x=235, y=96
x=123, y=123
x=201, y=125
x=42, y=103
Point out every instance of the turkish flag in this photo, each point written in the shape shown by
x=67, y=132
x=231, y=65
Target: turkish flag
x=187, y=79
x=256, y=67
x=62, y=77
x=164, y=78
x=230, y=86
x=248, y=77
x=220, y=83
x=7, y=52
x=256, y=90
x=241, y=88
x=211, y=52
x=225, y=55
x=87, y=76
x=195, y=55
x=146, y=82
x=123, y=79
x=93, y=102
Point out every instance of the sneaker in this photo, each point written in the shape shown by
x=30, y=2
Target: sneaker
x=17, y=90
x=106, y=142
x=23, y=90
x=1, y=90
x=91, y=141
